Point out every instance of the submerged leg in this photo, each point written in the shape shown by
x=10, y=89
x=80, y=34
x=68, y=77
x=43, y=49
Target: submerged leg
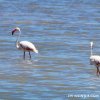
x=24, y=55
x=30, y=54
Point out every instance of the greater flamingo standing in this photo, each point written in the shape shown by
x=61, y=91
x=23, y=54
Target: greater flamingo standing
x=95, y=60
x=24, y=45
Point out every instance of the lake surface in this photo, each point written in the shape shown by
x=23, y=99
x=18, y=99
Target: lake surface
x=61, y=30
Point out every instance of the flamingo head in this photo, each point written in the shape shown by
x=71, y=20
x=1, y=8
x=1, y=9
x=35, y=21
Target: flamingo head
x=91, y=44
x=16, y=29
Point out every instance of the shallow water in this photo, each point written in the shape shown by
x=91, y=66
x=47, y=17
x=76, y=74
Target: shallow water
x=62, y=31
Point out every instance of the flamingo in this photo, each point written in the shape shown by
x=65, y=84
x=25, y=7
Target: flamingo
x=24, y=45
x=95, y=60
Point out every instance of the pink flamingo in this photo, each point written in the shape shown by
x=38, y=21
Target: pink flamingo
x=24, y=45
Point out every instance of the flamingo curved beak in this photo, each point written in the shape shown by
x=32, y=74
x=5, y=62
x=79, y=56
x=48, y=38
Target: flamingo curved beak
x=14, y=31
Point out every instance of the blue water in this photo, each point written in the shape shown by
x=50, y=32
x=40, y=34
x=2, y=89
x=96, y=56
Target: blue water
x=61, y=30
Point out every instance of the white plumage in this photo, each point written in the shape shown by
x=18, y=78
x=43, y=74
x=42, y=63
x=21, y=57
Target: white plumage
x=28, y=46
x=24, y=45
x=95, y=60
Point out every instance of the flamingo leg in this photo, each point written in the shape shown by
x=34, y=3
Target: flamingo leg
x=98, y=72
x=24, y=55
x=30, y=54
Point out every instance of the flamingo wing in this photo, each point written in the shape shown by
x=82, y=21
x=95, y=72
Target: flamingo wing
x=28, y=46
x=95, y=58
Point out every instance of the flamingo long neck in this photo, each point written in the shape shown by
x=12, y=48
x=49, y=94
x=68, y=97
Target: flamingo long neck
x=17, y=40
